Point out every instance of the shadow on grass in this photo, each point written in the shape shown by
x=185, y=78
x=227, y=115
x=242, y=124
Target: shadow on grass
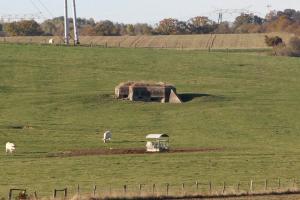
x=186, y=97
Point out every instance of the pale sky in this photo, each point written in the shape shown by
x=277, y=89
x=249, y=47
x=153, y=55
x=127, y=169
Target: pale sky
x=149, y=11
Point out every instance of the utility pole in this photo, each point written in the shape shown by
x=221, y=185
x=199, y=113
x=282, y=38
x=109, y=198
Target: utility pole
x=67, y=34
x=76, y=35
x=220, y=18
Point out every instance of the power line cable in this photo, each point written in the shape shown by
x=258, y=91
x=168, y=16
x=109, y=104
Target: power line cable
x=45, y=7
x=37, y=8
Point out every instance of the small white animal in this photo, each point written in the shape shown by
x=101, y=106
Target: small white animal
x=51, y=41
x=10, y=147
x=107, y=136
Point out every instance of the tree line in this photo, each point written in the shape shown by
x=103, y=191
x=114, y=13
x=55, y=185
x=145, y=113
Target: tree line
x=275, y=21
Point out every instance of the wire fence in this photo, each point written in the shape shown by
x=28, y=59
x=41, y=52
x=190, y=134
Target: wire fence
x=184, y=189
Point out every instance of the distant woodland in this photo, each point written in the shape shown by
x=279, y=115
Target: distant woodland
x=275, y=21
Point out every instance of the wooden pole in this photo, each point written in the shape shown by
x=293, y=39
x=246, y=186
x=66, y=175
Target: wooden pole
x=266, y=185
x=153, y=189
x=66, y=192
x=197, y=185
x=182, y=187
x=251, y=185
x=54, y=194
x=167, y=189
x=35, y=195
x=10, y=194
x=140, y=188
x=94, y=190
x=238, y=187
x=210, y=187
x=78, y=189
x=125, y=189
x=224, y=187
x=279, y=183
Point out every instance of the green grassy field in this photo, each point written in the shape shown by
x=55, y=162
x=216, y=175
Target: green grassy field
x=244, y=103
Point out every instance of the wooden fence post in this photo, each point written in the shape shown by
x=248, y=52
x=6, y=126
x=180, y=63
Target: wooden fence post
x=279, y=184
x=153, y=189
x=210, y=187
x=224, y=187
x=238, y=187
x=35, y=195
x=167, y=189
x=10, y=194
x=197, y=185
x=294, y=183
x=66, y=192
x=78, y=189
x=125, y=189
x=54, y=194
x=94, y=190
x=140, y=188
x=266, y=184
x=251, y=186
x=182, y=188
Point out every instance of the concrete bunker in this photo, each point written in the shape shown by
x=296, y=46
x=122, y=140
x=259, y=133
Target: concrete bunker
x=147, y=92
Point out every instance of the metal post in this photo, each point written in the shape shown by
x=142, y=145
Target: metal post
x=66, y=24
x=76, y=35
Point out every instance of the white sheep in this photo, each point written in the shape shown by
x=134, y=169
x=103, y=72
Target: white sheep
x=107, y=136
x=10, y=147
x=51, y=41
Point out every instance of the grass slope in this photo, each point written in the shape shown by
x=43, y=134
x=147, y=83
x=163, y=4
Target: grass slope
x=250, y=109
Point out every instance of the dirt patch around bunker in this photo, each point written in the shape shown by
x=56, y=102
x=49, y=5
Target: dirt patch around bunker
x=113, y=151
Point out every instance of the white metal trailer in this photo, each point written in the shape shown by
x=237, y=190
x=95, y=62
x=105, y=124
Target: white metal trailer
x=157, y=142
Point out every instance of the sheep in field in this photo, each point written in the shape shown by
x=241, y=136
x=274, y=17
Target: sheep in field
x=10, y=147
x=107, y=136
x=51, y=41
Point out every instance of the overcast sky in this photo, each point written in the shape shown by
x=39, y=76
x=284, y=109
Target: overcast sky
x=149, y=11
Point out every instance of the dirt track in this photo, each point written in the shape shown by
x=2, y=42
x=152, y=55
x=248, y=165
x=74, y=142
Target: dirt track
x=89, y=152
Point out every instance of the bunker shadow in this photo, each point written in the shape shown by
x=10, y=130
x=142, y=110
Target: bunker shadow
x=186, y=97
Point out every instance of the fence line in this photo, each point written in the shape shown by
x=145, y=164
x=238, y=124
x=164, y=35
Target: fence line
x=266, y=186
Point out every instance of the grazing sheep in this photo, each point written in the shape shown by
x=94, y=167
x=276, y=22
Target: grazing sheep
x=107, y=136
x=10, y=147
x=51, y=41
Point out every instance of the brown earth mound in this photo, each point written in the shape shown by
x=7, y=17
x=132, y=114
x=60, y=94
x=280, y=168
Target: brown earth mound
x=112, y=151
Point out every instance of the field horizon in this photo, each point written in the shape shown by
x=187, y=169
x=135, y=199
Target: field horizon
x=244, y=104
